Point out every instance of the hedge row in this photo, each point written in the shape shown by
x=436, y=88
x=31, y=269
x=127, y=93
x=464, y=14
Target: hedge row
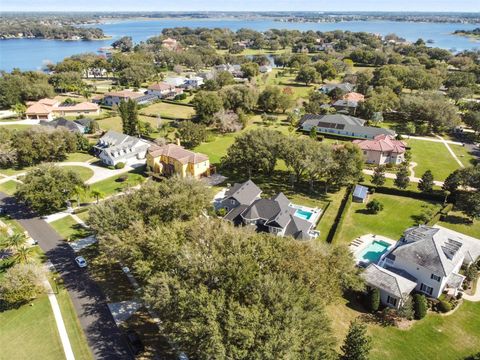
x=342, y=210
x=176, y=103
x=435, y=195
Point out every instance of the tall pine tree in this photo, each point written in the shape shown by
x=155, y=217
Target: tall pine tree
x=357, y=343
x=129, y=113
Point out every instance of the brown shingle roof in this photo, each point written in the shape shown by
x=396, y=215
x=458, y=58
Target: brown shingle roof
x=177, y=152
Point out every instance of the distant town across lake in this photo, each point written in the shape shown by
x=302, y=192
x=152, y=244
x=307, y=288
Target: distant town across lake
x=33, y=54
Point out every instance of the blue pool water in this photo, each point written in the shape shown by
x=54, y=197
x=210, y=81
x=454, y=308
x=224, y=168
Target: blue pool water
x=373, y=252
x=302, y=214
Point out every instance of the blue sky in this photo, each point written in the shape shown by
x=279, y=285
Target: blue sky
x=242, y=5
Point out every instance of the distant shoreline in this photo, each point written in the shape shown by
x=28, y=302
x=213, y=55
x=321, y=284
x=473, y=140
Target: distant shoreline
x=44, y=38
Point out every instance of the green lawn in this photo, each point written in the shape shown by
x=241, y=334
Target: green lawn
x=398, y=214
x=112, y=186
x=169, y=110
x=79, y=157
x=115, y=123
x=68, y=228
x=30, y=332
x=331, y=212
x=217, y=148
x=466, y=157
x=432, y=156
x=84, y=172
x=8, y=187
x=436, y=337
x=17, y=127
x=83, y=216
x=456, y=221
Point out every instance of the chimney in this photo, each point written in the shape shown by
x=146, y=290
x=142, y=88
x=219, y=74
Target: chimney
x=178, y=141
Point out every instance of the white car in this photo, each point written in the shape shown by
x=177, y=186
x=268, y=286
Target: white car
x=81, y=262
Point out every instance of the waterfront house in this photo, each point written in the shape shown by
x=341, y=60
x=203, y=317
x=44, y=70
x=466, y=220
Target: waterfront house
x=173, y=159
x=276, y=215
x=113, y=148
x=48, y=109
x=426, y=259
x=342, y=125
x=382, y=149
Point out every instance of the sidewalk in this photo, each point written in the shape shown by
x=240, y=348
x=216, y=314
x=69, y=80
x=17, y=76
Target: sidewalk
x=62, y=331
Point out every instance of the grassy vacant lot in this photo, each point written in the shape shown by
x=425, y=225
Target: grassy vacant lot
x=432, y=156
x=458, y=222
x=83, y=172
x=217, y=148
x=115, y=123
x=398, y=214
x=169, y=110
x=300, y=90
x=30, y=331
x=8, y=187
x=68, y=228
x=112, y=185
x=79, y=157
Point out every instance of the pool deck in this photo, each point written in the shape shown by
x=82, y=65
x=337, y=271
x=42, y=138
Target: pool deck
x=316, y=212
x=361, y=243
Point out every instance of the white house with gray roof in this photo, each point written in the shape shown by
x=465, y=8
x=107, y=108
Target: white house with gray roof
x=430, y=257
x=276, y=215
x=113, y=148
x=342, y=125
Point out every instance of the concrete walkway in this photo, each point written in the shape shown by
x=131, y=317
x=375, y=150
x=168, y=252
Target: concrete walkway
x=62, y=331
x=447, y=145
x=424, y=138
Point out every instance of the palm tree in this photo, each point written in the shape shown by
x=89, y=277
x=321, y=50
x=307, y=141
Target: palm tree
x=15, y=241
x=23, y=255
x=97, y=194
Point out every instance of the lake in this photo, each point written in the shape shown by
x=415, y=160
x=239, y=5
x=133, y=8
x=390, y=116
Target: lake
x=31, y=54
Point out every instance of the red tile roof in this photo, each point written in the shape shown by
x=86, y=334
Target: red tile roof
x=383, y=143
x=177, y=152
x=354, y=96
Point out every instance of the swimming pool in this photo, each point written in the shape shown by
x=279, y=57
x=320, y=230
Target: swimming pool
x=303, y=214
x=373, y=252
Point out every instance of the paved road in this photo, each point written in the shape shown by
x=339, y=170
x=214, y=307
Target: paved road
x=104, y=338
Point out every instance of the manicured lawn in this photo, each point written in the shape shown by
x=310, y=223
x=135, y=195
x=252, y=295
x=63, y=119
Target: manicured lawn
x=68, y=228
x=328, y=217
x=465, y=156
x=84, y=172
x=112, y=186
x=398, y=214
x=436, y=337
x=432, y=156
x=83, y=215
x=456, y=221
x=217, y=148
x=8, y=187
x=169, y=110
x=79, y=157
x=30, y=332
x=115, y=123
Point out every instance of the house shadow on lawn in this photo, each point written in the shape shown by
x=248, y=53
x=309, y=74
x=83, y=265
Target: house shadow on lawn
x=455, y=219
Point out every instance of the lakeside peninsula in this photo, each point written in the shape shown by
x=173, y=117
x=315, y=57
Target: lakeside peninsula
x=475, y=33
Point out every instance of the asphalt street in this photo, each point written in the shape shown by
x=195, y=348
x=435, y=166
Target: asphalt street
x=103, y=336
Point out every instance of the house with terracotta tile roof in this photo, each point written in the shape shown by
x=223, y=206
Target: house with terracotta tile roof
x=382, y=149
x=173, y=159
x=164, y=90
x=48, y=109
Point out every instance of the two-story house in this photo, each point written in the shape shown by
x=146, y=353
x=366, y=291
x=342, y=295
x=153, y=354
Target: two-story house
x=173, y=159
x=276, y=215
x=382, y=149
x=428, y=257
x=113, y=148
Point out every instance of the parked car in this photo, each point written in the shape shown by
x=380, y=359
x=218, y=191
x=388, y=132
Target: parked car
x=81, y=262
x=135, y=342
